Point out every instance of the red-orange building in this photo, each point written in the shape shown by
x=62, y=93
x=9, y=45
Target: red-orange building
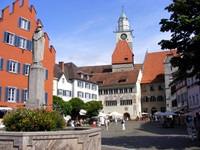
x=16, y=30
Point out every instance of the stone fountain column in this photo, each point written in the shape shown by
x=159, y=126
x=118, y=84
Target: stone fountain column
x=36, y=77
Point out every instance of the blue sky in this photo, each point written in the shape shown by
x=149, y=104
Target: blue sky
x=81, y=31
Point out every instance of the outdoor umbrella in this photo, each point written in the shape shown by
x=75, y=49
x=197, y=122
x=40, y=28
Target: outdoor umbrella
x=168, y=113
x=116, y=114
x=192, y=112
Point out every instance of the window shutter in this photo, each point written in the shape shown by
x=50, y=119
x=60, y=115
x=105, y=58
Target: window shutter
x=1, y=63
x=19, y=21
x=17, y=39
x=23, y=95
x=8, y=65
x=0, y=92
x=46, y=74
x=29, y=45
x=64, y=92
x=29, y=25
x=6, y=94
x=46, y=98
x=5, y=37
x=24, y=69
x=18, y=68
x=17, y=95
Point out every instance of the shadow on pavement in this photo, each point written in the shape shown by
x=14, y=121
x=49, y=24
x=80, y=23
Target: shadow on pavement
x=148, y=135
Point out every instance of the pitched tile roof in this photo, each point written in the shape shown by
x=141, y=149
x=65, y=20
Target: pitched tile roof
x=104, y=68
x=153, y=70
x=116, y=78
x=71, y=71
x=122, y=53
x=105, y=77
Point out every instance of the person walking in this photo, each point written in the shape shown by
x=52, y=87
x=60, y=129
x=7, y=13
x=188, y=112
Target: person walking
x=106, y=123
x=123, y=124
x=116, y=121
x=197, y=125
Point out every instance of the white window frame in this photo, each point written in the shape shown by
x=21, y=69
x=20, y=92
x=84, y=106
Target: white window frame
x=12, y=94
x=22, y=43
x=13, y=66
x=24, y=23
x=10, y=38
x=80, y=94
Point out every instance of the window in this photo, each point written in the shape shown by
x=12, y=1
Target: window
x=22, y=43
x=80, y=94
x=1, y=63
x=160, y=87
x=24, y=24
x=152, y=99
x=115, y=91
x=122, y=80
x=110, y=91
x=100, y=82
x=94, y=96
x=152, y=87
x=94, y=87
x=80, y=84
x=68, y=93
x=13, y=66
x=60, y=92
x=87, y=95
x=130, y=90
x=145, y=99
x=24, y=95
x=87, y=85
x=26, y=69
x=143, y=88
x=111, y=103
x=160, y=98
x=9, y=38
x=121, y=90
x=12, y=94
x=126, y=102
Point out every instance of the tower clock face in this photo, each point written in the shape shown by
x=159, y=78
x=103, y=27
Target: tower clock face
x=123, y=36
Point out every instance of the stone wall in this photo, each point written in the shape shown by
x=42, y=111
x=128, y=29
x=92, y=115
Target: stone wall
x=69, y=139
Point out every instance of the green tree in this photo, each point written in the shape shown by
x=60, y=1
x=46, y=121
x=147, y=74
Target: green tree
x=92, y=108
x=61, y=106
x=77, y=104
x=184, y=25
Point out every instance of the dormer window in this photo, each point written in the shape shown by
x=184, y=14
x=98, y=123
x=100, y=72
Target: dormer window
x=100, y=82
x=122, y=80
x=88, y=77
x=126, y=58
x=81, y=76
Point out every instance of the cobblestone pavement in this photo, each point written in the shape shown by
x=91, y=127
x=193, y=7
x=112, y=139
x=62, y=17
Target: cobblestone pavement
x=146, y=136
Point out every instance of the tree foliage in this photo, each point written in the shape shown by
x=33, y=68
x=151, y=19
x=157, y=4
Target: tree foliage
x=77, y=104
x=61, y=106
x=184, y=25
x=92, y=108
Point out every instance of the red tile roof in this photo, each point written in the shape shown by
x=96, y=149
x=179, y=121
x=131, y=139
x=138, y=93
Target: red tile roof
x=153, y=71
x=116, y=78
x=122, y=53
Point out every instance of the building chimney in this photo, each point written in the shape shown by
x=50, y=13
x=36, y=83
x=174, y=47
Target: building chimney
x=62, y=65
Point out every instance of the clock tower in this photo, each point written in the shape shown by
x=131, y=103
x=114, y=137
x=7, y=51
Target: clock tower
x=123, y=57
x=124, y=31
